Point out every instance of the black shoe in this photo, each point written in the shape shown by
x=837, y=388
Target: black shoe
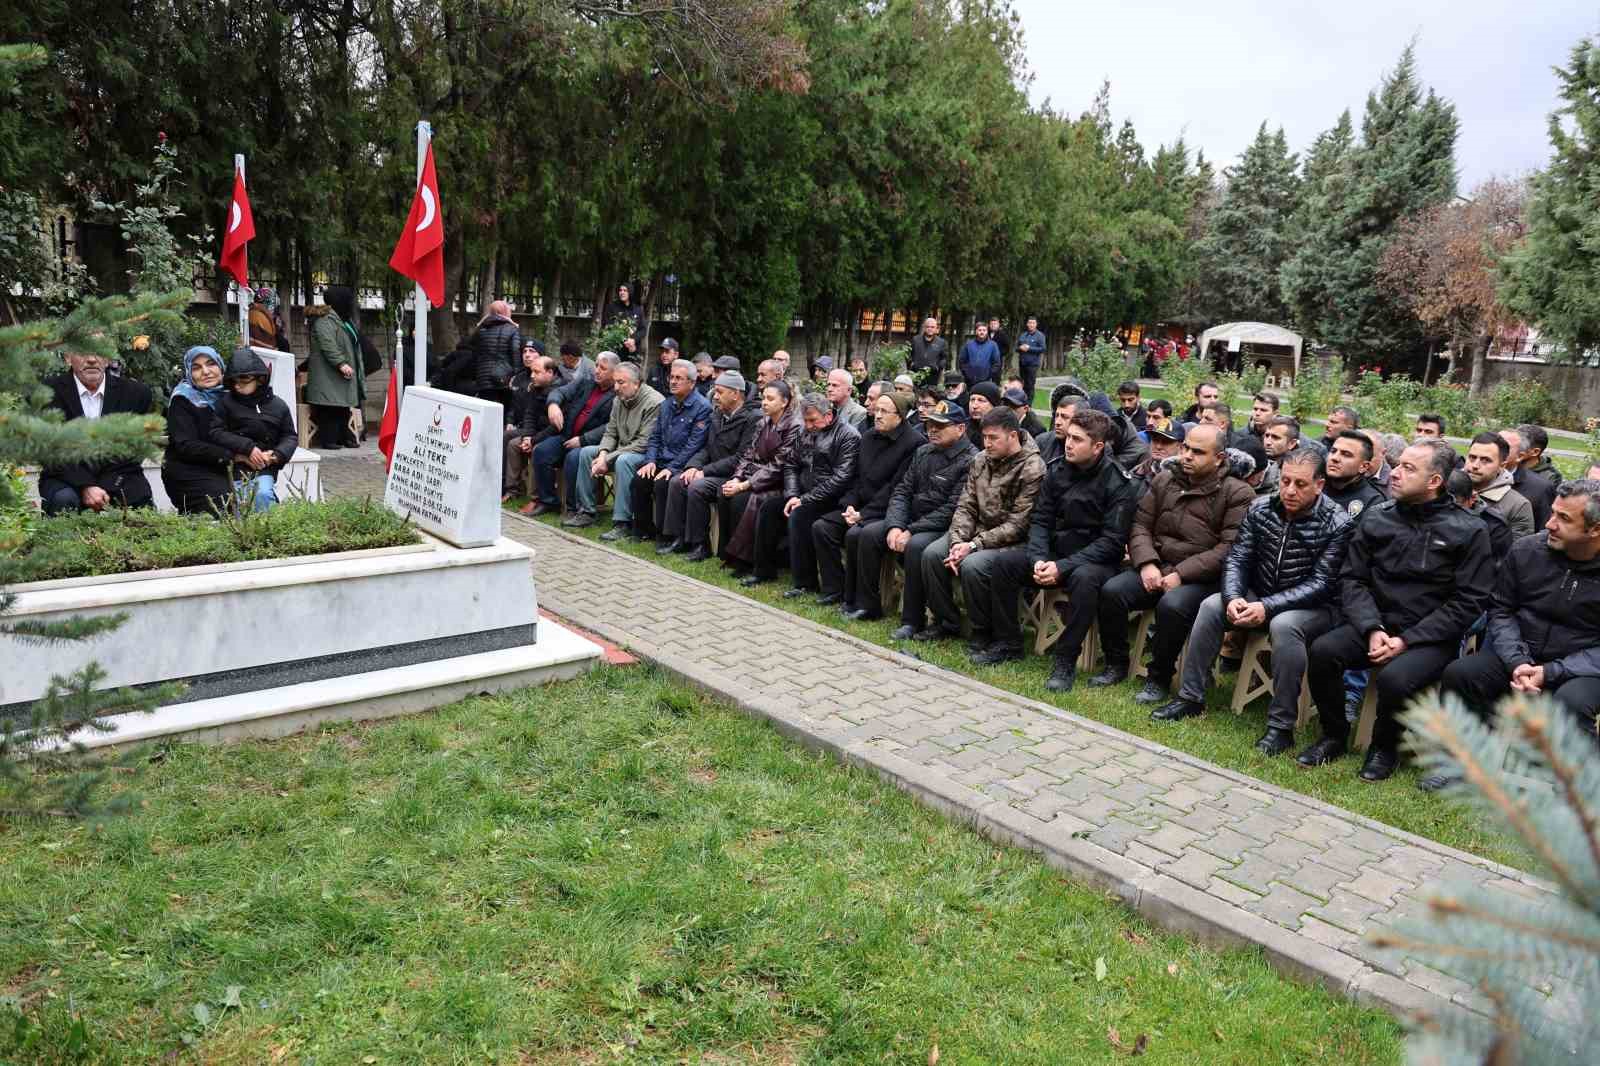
x=1062, y=675
x=1151, y=693
x=997, y=653
x=752, y=580
x=904, y=633
x=1111, y=675
x=1434, y=782
x=1323, y=751
x=700, y=554
x=1229, y=666
x=935, y=632
x=863, y=614
x=670, y=548
x=1275, y=741
x=1381, y=762
x=1176, y=710
x=617, y=532
x=828, y=599
x=794, y=594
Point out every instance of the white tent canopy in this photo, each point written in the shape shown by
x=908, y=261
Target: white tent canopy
x=1238, y=334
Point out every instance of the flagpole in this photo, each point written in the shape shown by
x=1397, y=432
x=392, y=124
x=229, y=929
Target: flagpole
x=244, y=307
x=419, y=344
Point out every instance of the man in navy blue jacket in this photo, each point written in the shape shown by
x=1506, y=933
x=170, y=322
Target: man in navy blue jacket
x=980, y=358
x=680, y=432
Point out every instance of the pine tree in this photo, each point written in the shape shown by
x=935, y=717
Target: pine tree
x=1552, y=279
x=44, y=769
x=1534, y=773
x=1243, y=251
x=1404, y=163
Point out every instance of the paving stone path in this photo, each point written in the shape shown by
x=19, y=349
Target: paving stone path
x=1195, y=847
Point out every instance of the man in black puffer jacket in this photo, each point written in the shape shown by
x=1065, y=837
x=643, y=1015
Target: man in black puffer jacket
x=1076, y=539
x=885, y=452
x=1544, y=622
x=695, y=491
x=1281, y=573
x=824, y=467
x=919, y=513
x=496, y=354
x=1417, y=575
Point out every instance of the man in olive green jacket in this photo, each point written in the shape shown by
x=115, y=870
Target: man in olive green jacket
x=620, y=451
x=334, y=379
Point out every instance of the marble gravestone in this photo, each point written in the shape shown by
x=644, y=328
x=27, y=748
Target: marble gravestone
x=282, y=365
x=446, y=471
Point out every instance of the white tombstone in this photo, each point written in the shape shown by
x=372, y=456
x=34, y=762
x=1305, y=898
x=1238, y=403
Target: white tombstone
x=282, y=365
x=446, y=471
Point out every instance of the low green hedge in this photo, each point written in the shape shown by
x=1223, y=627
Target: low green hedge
x=124, y=542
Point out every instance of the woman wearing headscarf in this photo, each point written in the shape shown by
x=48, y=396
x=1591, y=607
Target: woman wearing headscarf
x=334, y=382
x=266, y=326
x=194, y=470
x=753, y=496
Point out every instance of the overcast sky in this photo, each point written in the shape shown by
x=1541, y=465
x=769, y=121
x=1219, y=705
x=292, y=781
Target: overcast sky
x=1212, y=71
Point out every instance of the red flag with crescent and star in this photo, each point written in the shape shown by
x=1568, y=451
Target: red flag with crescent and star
x=240, y=230
x=419, y=254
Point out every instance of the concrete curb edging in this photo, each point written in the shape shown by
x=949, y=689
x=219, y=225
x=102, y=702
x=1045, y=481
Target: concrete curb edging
x=1164, y=900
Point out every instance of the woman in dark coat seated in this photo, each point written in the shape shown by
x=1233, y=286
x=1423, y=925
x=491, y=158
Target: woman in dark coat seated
x=194, y=470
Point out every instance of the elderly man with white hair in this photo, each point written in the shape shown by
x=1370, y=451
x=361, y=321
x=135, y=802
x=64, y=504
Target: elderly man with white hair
x=840, y=389
x=620, y=451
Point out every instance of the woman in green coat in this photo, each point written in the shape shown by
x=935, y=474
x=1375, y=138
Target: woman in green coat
x=334, y=381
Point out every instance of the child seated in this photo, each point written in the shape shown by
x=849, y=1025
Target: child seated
x=256, y=428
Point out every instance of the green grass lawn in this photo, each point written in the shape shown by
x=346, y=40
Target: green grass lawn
x=611, y=868
x=1220, y=736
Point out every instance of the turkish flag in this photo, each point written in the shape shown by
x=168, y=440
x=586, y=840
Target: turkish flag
x=241, y=229
x=389, y=428
x=419, y=254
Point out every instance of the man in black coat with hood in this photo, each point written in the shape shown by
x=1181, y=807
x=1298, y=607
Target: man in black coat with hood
x=1418, y=573
x=1544, y=620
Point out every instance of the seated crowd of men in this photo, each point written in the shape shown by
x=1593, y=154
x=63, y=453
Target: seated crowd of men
x=1366, y=559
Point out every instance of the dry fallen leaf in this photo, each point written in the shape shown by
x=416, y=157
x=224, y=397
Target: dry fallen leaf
x=1134, y=938
x=1138, y=1047
x=933, y=1056
x=1172, y=969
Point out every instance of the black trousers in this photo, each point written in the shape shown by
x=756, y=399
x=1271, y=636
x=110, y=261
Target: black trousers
x=1175, y=614
x=1482, y=680
x=650, y=505
x=871, y=548
x=1012, y=577
x=333, y=426
x=802, y=550
x=1029, y=375
x=694, y=522
x=1397, y=680
x=835, y=545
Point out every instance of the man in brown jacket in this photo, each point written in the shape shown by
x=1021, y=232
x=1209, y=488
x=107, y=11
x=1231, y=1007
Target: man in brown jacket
x=993, y=512
x=1182, y=531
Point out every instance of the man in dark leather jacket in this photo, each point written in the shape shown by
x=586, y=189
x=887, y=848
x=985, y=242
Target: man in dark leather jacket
x=1282, y=575
x=1544, y=621
x=1076, y=538
x=824, y=467
x=919, y=512
x=1418, y=573
x=695, y=491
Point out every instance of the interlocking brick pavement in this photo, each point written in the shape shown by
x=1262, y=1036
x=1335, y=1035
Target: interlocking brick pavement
x=1195, y=847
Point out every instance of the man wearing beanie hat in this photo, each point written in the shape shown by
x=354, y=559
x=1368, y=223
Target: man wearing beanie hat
x=692, y=493
x=885, y=452
x=981, y=399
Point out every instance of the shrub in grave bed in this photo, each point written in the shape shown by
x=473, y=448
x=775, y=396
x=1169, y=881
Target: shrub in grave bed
x=1387, y=404
x=1181, y=376
x=123, y=542
x=1317, y=388
x=1521, y=400
x=1452, y=401
x=1103, y=367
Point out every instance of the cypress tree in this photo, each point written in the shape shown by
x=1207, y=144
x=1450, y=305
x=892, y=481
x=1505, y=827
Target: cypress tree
x=1247, y=241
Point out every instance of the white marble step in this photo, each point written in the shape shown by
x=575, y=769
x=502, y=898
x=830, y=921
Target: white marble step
x=279, y=712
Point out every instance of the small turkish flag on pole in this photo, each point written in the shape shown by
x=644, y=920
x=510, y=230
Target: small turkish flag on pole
x=390, y=426
x=240, y=229
x=419, y=254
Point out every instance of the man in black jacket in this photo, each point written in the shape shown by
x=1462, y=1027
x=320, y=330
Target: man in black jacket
x=528, y=421
x=885, y=452
x=824, y=467
x=1544, y=620
x=87, y=391
x=660, y=375
x=496, y=355
x=695, y=491
x=578, y=413
x=918, y=514
x=930, y=354
x=1076, y=539
x=1348, y=484
x=1537, y=489
x=1417, y=575
x=1282, y=575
